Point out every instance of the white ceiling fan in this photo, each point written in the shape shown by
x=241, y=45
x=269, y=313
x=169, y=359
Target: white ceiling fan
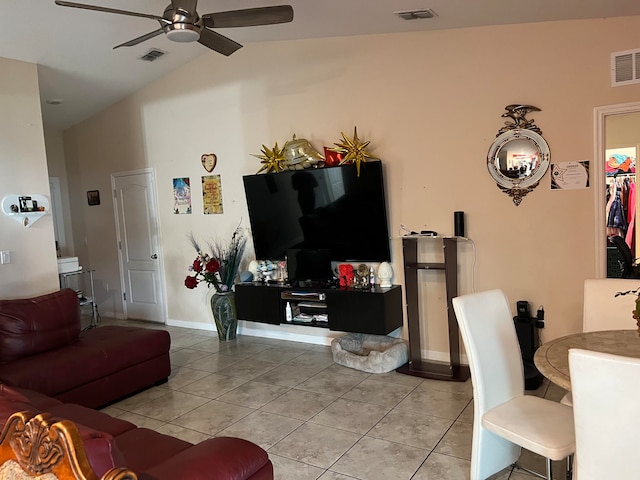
x=181, y=22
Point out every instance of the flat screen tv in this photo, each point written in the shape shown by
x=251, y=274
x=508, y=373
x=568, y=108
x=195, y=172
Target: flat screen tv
x=306, y=264
x=326, y=208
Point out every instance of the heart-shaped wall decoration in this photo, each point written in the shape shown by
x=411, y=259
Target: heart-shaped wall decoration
x=209, y=161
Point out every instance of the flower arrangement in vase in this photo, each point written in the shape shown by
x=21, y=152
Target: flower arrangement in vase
x=218, y=268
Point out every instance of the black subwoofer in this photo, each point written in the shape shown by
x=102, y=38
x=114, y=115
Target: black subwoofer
x=529, y=342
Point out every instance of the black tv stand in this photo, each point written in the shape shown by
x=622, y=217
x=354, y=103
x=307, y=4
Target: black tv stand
x=376, y=310
x=311, y=284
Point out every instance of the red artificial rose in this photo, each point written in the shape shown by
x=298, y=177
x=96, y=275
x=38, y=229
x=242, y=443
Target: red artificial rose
x=197, y=266
x=191, y=282
x=212, y=266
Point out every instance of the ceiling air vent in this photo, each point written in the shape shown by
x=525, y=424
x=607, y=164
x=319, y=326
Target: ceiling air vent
x=625, y=68
x=152, y=55
x=416, y=14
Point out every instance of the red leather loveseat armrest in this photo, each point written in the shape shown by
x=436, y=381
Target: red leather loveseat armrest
x=222, y=458
x=33, y=325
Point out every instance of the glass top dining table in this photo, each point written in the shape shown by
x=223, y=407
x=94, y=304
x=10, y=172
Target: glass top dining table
x=552, y=358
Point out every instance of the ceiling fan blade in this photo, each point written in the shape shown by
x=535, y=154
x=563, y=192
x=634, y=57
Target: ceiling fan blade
x=140, y=39
x=109, y=10
x=249, y=17
x=187, y=6
x=217, y=42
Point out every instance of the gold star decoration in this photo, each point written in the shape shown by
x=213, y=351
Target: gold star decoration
x=353, y=150
x=272, y=159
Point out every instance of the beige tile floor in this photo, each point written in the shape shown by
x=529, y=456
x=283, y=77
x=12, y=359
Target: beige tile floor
x=316, y=419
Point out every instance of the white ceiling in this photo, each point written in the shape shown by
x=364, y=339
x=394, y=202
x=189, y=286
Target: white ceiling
x=77, y=64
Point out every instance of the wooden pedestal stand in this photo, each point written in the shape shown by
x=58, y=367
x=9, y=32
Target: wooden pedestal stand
x=416, y=365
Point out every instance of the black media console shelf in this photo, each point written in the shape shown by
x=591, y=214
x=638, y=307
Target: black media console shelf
x=376, y=311
x=417, y=366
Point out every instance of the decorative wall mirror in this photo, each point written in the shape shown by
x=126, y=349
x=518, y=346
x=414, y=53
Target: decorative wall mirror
x=519, y=156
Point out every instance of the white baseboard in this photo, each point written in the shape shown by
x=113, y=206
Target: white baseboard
x=294, y=333
x=300, y=333
x=193, y=325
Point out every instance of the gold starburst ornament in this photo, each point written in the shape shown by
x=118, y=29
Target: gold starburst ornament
x=272, y=160
x=353, y=150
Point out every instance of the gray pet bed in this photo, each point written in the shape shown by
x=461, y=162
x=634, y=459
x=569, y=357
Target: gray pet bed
x=370, y=353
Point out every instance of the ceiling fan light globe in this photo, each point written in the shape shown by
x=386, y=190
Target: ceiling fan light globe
x=183, y=36
x=182, y=32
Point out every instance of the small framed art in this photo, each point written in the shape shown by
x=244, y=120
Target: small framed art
x=93, y=197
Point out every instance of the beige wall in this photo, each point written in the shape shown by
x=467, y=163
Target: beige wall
x=430, y=103
x=23, y=171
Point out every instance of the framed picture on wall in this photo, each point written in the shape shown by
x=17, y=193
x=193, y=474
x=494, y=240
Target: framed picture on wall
x=211, y=194
x=182, y=195
x=26, y=204
x=93, y=197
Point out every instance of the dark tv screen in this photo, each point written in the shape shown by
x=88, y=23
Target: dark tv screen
x=326, y=208
x=306, y=264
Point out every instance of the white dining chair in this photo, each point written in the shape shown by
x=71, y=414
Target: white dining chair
x=505, y=419
x=602, y=310
x=606, y=395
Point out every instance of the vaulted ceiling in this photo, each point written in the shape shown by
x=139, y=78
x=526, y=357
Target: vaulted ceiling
x=79, y=67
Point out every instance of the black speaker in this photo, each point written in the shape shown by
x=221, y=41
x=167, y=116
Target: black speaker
x=529, y=343
x=532, y=377
x=458, y=224
x=527, y=337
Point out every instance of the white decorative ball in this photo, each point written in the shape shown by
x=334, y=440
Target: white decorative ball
x=385, y=273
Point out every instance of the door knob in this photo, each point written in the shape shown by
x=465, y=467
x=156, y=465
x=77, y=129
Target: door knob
x=154, y=256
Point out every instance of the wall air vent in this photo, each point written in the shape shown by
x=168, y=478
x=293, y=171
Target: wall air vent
x=152, y=55
x=416, y=14
x=625, y=68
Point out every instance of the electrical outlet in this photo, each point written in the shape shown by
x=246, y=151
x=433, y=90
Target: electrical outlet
x=5, y=257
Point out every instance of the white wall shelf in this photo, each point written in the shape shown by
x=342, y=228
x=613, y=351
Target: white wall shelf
x=14, y=208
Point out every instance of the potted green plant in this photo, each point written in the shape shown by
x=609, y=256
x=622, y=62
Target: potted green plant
x=636, y=310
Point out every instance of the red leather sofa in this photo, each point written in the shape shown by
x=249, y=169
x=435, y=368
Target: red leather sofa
x=48, y=365
x=42, y=348
x=111, y=442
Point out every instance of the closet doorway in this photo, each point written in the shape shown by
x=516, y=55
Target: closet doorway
x=618, y=144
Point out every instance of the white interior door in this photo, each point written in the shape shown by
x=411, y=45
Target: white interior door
x=137, y=230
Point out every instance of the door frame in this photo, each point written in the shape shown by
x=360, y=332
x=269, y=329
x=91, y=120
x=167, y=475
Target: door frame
x=55, y=193
x=161, y=279
x=600, y=117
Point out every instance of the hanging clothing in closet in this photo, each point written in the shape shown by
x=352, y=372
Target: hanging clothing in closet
x=621, y=208
x=616, y=215
x=631, y=215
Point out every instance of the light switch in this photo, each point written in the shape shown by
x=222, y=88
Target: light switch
x=5, y=257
